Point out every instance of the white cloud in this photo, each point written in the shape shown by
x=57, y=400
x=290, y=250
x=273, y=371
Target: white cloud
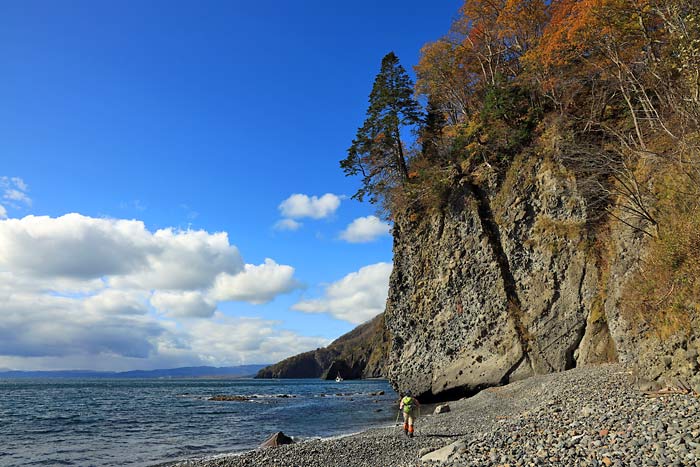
x=299, y=205
x=256, y=284
x=136, y=204
x=355, y=298
x=82, y=292
x=19, y=183
x=3, y=212
x=186, y=304
x=184, y=260
x=117, y=302
x=288, y=224
x=250, y=340
x=80, y=247
x=16, y=195
x=35, y=325
x=14, y=190
x=365, y=229
x=49, y=332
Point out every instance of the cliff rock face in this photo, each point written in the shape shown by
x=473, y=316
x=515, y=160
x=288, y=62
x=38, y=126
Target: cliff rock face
x=504, y=282
x=360, y=353
x=497, y=286
x=672, y=359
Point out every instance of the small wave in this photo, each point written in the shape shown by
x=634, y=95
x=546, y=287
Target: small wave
x=189, y=448
x=52, y=462
x=57, y=418
x=44, y=431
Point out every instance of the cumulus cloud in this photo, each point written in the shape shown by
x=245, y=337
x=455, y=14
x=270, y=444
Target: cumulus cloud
x=299, y=205
x=111, y=294
x=187, y=304
x=49, y=332
x=80, y=247
x=288, y=224
x=184, y=260
x=256, y=284
x=251, y=340
x=365, y=229
x=117, y=302
x=355, y=298
x=34, y=325
x=3, y=212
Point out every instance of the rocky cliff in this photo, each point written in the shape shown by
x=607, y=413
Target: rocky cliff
x=361, y=353
x=507, y=280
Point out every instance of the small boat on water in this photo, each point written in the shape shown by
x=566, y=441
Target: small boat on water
x=338, y=378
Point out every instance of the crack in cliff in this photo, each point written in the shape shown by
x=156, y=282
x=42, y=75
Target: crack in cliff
x=441, y=226
x=493, y=235
x=570, y=360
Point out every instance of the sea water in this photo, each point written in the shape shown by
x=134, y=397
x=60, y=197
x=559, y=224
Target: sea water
x=153, y=421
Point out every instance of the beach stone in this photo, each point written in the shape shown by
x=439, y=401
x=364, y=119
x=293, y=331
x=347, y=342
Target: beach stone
x=648, y=386
x=424, y=451
x=444, y=454
x=278, y=439
x=443, y=408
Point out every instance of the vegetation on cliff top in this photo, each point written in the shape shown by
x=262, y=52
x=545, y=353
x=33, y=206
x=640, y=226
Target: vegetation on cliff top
x=611, y=88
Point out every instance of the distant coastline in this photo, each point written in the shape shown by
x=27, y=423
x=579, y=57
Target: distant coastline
x=241, y=371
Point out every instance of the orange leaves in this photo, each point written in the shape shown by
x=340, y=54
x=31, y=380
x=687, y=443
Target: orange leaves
x=566, y=35
x=446, y=74
x=483, y=47
x=379, y=138
x=584, y=29
x=521, y=23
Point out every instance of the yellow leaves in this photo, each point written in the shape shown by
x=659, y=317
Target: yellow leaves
x=522, y=21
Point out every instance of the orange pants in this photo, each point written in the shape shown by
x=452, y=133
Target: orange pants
x=408, y=421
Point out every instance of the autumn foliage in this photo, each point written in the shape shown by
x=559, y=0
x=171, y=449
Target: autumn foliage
x=621, y=78
x=616, y=83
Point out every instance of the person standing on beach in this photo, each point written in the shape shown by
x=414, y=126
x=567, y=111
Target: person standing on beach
x=408, y=406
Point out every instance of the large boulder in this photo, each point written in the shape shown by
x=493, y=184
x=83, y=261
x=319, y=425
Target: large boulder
x=278, y=439
x=446, y=453
x=442, y=408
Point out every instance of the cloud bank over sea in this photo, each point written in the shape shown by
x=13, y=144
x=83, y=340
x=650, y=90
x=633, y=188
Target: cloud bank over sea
x=79, y=289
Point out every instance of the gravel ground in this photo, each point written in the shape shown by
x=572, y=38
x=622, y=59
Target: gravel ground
x=584, y=417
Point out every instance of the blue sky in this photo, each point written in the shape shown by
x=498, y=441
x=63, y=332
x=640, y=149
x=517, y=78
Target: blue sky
x=193, y=118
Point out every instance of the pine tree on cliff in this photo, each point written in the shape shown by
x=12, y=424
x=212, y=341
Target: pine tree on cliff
x=431, y=132
x=377, y=152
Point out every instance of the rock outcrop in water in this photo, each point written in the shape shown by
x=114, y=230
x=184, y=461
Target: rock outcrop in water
x=361, y=353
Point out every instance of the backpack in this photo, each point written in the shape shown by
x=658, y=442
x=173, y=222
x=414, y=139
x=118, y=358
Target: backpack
x=407, y=404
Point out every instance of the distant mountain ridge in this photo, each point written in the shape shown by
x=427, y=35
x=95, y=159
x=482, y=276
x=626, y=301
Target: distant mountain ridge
x=182, y=372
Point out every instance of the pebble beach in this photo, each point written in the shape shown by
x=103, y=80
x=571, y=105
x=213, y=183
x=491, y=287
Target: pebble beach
x=594, y=416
